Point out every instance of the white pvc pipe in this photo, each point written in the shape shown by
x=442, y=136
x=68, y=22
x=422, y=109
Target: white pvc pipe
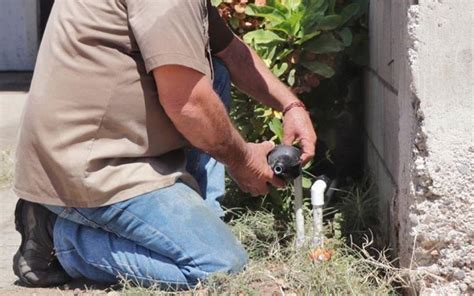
x=317, y=202
x=298, y=206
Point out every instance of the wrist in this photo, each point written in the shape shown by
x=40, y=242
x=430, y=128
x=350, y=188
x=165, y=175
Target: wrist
x=292, y=105
x=239, y=156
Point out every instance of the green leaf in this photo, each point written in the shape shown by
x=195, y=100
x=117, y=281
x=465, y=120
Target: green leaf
x=262, y=37
x=307, y=37
x=318, y=68
x=278, y=5
x=255, y=10
x=277, y=128
x=291, y=4
x=285, y=52
x=291, y=77
x=266, y=51
x=284, y=27
x=299, y=35
x=279, y=69
x=315, y=9
x=346, y=36
x=349, y=11
x=313, y=5
x=325, y=43
x=332, y=7
x=364, y=7
x=295, y=21
x=270, y=14
x=234, y=23
x=216, y=2
x=307, y=165
x=329, y=22
x=306, y=183
x=310, y=19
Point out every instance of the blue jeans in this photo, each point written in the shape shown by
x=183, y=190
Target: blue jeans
x=172, y=236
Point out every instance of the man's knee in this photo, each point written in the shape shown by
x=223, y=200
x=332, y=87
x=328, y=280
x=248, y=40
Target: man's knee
x=234, y=260
x=217, y=261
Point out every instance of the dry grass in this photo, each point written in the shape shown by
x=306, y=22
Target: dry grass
x=277, y=268
x=6, y=168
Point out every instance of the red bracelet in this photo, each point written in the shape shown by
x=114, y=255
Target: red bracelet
x=293, y=105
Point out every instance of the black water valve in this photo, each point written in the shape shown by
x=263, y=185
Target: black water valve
x=285, y=161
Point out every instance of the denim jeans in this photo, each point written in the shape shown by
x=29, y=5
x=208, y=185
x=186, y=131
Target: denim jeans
x=172, y=236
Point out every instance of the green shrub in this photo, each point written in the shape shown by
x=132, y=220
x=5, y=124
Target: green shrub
x=317, y=48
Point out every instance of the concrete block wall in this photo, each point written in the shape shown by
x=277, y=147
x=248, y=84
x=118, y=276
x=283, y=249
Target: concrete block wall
x=419, y=144
x=383, y=108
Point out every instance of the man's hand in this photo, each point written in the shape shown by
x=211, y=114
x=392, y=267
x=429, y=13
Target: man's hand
x=297, y=126
x=196, y=111
x=253, y=174
x=250, y=74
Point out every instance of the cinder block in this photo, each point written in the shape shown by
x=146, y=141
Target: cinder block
x=391, y=125
x=384, y=54
x=373, y=33
x=398, y=19
x=371, y=158
x=386, y=194
x=376, y=114
x=368, y=102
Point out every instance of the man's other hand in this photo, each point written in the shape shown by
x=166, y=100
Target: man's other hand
x=297, y=126
x=253, y=174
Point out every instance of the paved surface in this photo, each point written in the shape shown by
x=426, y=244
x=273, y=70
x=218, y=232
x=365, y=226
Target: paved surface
x=11, y=105
x=13, y=91
x=13, y=94
x=9, y=239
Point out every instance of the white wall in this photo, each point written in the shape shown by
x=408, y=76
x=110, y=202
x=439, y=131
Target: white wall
x=441, y=59
x=18, y=34
x=420, y=140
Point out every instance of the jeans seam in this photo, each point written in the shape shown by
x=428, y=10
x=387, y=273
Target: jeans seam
x=60, y=252
x=64, y=212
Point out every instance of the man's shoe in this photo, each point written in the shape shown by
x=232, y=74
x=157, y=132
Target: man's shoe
x=35, y=262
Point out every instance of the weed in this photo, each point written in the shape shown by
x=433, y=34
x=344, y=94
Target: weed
x=358, y=206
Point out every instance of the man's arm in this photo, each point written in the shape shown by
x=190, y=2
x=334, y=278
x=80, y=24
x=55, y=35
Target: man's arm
x=251, y=75
x=195, y=109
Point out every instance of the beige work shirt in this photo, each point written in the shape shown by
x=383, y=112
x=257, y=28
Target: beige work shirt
x=93, y=130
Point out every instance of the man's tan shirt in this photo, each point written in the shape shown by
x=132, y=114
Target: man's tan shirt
x=93, y=131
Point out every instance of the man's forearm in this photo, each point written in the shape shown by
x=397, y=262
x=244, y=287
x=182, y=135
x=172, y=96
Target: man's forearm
x=201, y=118
x=252, y=76
x=204, y=122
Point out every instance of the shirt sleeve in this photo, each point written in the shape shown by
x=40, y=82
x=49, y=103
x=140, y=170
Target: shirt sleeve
x=171, y=32
x=220, y=34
